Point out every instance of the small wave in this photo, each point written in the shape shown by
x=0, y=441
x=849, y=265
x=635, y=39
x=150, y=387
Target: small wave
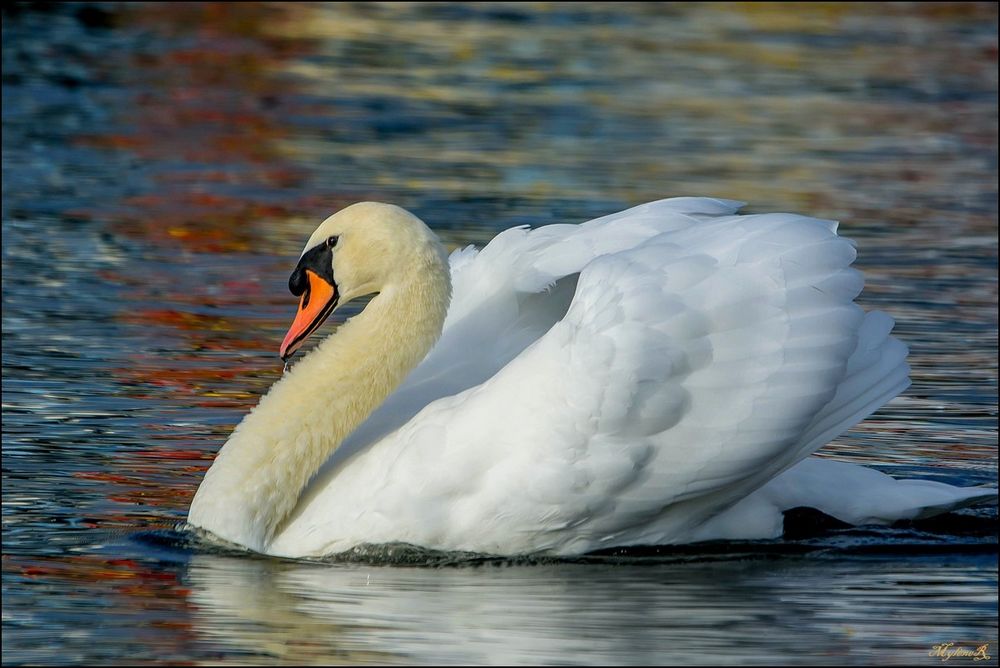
x=808, y=533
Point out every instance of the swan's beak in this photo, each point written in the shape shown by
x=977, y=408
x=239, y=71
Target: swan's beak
x=317, y=302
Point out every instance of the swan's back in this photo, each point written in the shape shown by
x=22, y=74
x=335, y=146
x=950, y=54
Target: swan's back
x=618, y=382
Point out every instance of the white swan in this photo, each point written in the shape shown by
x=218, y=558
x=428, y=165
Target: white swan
x=656, y=376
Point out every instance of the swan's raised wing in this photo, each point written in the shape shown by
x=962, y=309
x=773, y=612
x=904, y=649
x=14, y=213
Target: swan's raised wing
x=689, y=369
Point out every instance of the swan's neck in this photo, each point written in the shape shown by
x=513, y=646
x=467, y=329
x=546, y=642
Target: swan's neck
x=259, y=474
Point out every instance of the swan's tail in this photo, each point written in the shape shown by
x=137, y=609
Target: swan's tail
x=850, y=493
x=859, y=495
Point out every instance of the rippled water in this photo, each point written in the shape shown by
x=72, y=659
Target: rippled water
x=162, y=165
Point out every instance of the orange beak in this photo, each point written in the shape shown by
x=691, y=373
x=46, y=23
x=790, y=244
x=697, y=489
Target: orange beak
x=317, y=302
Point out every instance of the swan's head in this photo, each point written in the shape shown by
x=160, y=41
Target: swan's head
x=363, y=249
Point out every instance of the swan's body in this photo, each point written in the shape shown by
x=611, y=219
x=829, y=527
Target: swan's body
x=656, y=376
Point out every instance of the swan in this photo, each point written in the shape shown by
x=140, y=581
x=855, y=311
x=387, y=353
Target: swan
x=660, y=375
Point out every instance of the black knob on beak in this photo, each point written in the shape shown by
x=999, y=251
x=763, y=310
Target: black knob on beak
x=297, y=282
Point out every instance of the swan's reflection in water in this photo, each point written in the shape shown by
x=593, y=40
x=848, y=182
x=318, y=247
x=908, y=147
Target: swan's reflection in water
x=699, y=613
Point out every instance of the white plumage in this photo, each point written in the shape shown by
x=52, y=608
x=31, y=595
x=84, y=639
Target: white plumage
x=659, y=375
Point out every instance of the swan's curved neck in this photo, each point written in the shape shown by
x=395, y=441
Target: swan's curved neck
x=259, y=474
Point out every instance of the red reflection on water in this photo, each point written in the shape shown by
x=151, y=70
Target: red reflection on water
x=205, y=120
x=149, y=596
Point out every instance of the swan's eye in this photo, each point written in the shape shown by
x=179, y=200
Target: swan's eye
x=331, y=242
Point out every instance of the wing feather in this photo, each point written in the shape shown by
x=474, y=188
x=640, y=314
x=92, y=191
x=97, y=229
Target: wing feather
x=686, y=372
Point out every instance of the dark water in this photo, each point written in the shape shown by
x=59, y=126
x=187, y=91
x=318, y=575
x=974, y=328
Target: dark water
x=163, y=164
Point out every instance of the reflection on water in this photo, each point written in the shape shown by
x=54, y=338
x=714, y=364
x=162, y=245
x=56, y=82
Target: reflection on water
x=163, y=163
x=693, y=613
